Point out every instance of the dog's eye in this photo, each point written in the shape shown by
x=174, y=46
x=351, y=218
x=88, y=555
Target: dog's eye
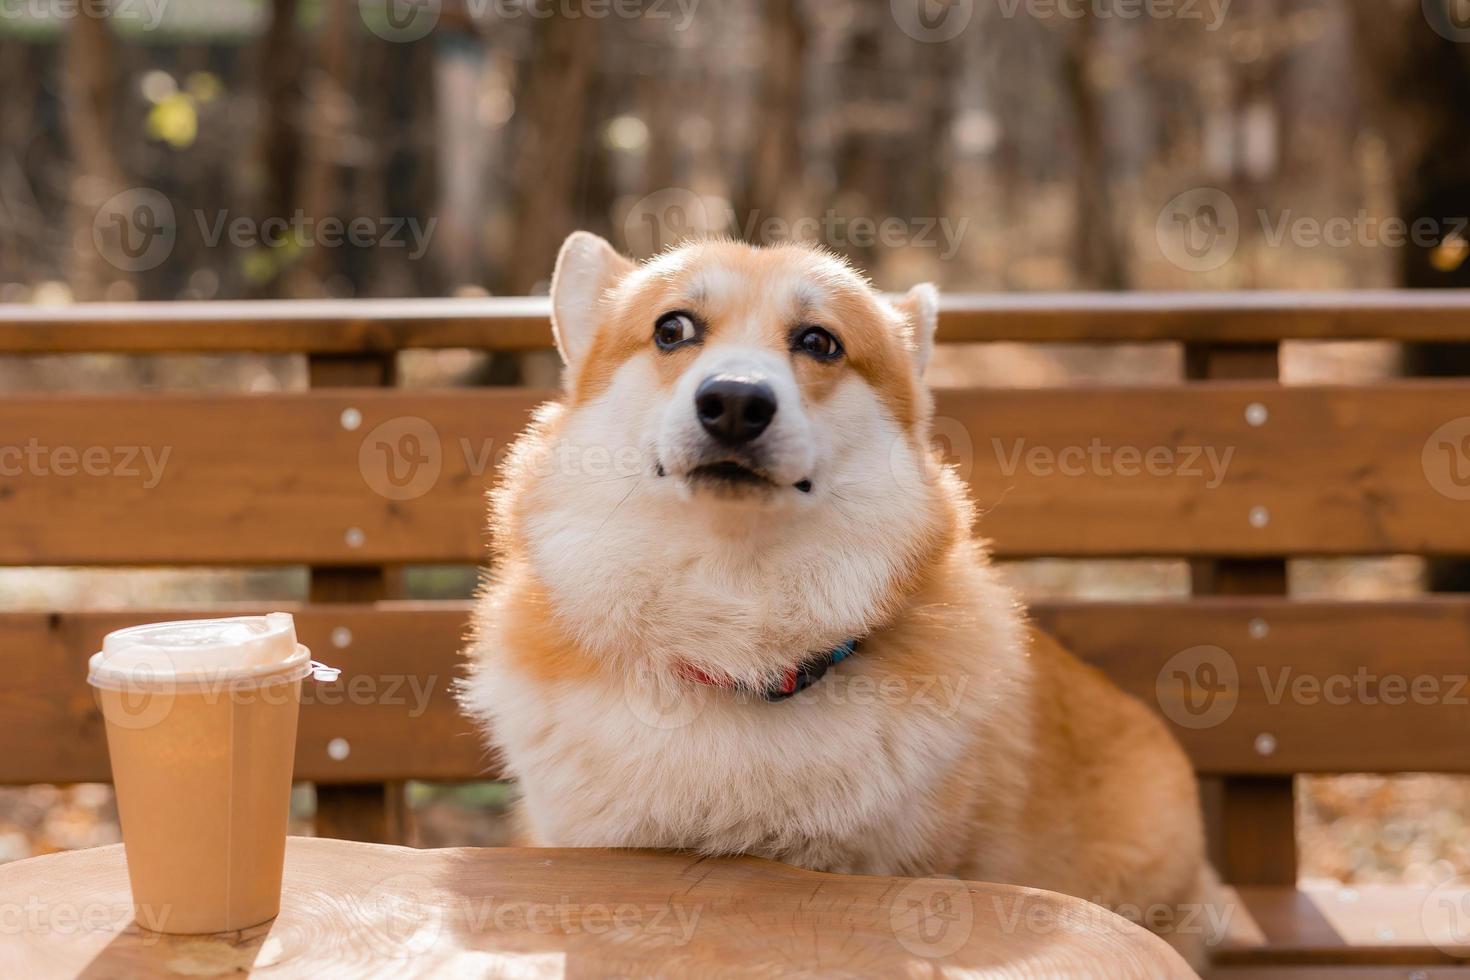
x=674, y=329
x=816, y=342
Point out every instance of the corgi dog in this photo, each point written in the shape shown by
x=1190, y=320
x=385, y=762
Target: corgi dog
x=737, y=606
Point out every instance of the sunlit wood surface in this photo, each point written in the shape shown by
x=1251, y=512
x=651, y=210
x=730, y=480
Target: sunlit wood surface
x=368, y=910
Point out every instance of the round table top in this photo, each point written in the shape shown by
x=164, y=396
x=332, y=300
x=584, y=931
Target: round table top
x=370, y=910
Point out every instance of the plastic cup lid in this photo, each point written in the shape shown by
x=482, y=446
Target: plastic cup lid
x=194, y=650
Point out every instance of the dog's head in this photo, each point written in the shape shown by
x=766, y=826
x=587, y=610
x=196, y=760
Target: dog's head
x=759, y=428
x=762, y=377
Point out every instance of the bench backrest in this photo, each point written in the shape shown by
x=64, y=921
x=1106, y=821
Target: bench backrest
x=1226, y=468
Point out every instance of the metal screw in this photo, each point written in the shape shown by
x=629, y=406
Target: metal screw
x=338, y=749
x=354, y=537
x=351, y=419
x=1256, y=414
x=1259, y=516
x=341, y=637
x=1265, y=744
x=1258, y=628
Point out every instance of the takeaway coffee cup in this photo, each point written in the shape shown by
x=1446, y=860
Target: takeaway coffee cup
x=201, y=728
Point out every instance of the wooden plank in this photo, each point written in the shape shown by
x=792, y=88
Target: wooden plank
x=1324, y=682
x=1322, y=923
x=361, y=477
x=362, y=910
x=1258, y=827
x=1255, y=819
x=376, y=812
x=522, y=323
x=1336, y=972
x=277, y=326
x=364, y=477
x=391, y=716
x=1330, y=685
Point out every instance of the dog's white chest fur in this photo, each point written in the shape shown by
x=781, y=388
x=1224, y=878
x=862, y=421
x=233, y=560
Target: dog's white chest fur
x=842, y=772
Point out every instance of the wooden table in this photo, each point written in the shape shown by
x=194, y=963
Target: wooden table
x=367, y=910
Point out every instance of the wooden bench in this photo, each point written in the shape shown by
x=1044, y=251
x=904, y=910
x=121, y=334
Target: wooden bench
x=303, y=478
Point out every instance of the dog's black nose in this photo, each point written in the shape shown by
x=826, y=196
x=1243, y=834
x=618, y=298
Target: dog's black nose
x=734, y=410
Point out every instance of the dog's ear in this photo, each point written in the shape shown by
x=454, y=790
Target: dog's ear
x=586, y=268
x=920, y=307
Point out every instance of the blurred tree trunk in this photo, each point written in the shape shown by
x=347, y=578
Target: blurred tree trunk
x=1097, y=251
x=555, y=92
x=279, y=58
x=88, y=77
x=332, y=116
x=773, y=181
x=1417, y=84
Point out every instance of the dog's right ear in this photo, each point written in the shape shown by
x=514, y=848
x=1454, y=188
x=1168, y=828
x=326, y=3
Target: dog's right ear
x=586, y=268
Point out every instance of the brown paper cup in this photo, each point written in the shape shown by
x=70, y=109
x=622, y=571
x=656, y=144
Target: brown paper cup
x=202, y=746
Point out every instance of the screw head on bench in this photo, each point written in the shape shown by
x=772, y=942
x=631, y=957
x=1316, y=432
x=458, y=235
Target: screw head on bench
x=351, y=419
x=1258, y=628
x=338, y=749
x=354, y=537
x=1256, y=414
x=1265, y=744
x=341, y=637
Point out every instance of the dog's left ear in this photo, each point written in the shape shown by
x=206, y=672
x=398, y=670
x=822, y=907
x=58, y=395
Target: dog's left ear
x=920, y=307
x=586, y=268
